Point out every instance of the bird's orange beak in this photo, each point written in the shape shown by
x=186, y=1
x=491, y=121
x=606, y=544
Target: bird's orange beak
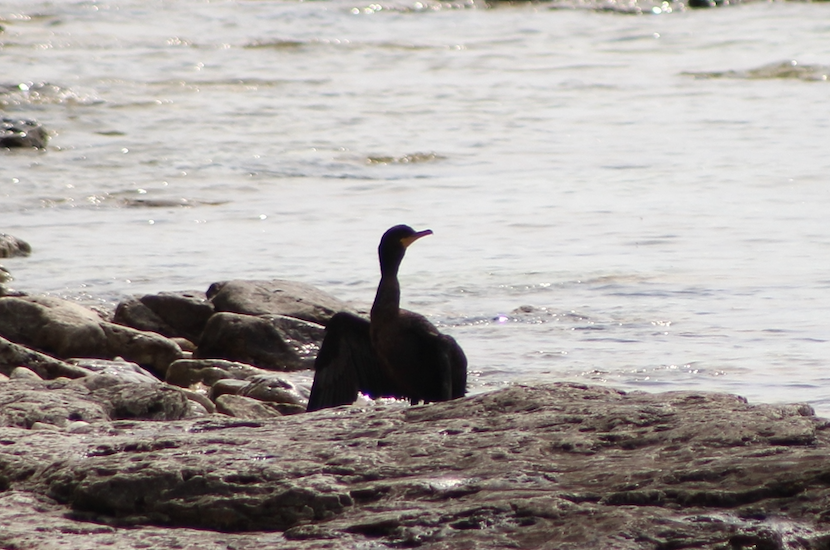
x=406, y=241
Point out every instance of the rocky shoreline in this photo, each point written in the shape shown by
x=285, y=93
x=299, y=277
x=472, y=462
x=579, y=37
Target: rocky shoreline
x=173, y=422
x=556, y=466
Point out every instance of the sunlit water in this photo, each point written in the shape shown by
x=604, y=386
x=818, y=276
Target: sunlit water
x=603, y=210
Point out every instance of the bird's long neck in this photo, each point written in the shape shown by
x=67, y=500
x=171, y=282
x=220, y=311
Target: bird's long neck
x=387, y=303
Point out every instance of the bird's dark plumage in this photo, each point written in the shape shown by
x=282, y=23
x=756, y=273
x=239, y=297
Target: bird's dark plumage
x=397, y=353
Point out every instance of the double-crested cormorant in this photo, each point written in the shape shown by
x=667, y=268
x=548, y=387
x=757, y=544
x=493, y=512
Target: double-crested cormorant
x=397, y=353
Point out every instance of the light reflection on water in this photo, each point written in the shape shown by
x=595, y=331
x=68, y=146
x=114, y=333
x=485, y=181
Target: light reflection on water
x=599, y=216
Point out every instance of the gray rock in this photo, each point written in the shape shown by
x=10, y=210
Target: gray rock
x=5, y=290
x=11, y=246
x=276, y=297
x=95, y=398
x=287, y=409
x=172, y=314
x=304, y=337
x=126, y=371
x=207, y=406
x=189, y=372
x=21, y=133
x=14, y=355
x=34, y=521
x=561, y=466
x=128, y=400
x=52, y=325
x=228, y=386
x=145, y=348
x=44, y=426
x=249, y=339
x=133, y=313
x=273, y=389
x=5, y=277
x=23, y=373
x=185, y=345
x=26, y=402
x=245, y=407
x=66, y=329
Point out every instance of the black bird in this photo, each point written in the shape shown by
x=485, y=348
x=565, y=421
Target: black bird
x=397, y=353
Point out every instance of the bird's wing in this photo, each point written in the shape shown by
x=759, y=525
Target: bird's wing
x=458, y=364
x=445, y=362
x=347, y=364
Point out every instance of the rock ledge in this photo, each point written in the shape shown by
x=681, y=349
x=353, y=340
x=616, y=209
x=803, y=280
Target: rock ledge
x=554, y=466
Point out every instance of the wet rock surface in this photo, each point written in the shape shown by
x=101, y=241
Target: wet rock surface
x=556, y=466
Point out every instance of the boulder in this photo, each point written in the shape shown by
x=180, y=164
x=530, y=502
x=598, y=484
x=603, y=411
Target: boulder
x=304, y=337
x=14, y=355
x=66, y=329
x=125, y=371
x=273, y=389
x=217, y=377
x=172, y=314
x=133, y=313
x=275, y=297
x=205, y=405
x=23, y=373
x=145, y=348
x=228, y=386
x=185, y=345
x=189, y=372
x=22, y=133
x=52, y=325
x=258, y=341
x=11, y=246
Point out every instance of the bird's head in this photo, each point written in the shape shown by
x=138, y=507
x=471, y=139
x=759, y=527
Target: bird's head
x=393, y=246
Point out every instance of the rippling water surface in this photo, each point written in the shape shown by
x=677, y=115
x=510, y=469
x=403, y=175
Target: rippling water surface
x=632, y=200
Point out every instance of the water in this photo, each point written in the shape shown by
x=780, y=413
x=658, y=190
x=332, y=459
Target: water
x=607, y=208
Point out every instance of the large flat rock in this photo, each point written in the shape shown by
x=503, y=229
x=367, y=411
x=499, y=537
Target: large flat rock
x=559, y=466
x=275, y=297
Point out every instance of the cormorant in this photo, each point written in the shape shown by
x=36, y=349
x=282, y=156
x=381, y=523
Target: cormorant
x=397, y=353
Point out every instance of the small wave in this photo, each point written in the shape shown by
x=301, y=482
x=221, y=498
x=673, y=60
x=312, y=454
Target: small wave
x=291, y=45
x=278, y=44
x=165, y=203
x=412, y=158
x=419, y=6
x=120, y=200
x=790, y=69
x=628, y=7
x=43, y=93
x=235, y=83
